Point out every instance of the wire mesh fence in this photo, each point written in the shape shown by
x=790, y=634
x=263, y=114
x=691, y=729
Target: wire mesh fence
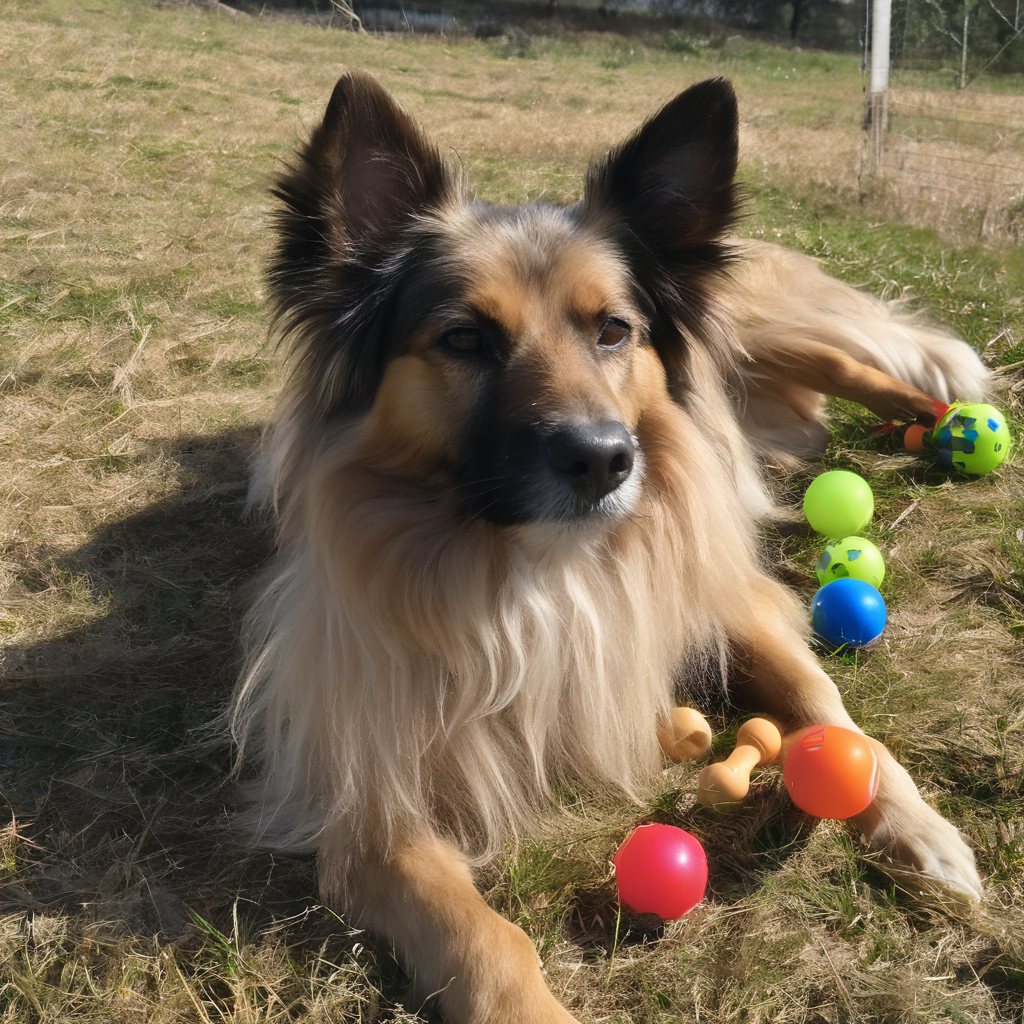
x=952, y=154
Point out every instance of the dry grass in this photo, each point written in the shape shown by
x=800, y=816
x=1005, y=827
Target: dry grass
x=956, y=161
x=137, y=147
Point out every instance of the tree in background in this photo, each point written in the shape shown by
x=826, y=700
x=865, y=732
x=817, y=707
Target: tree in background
x=967, y=37
x=826, y=22
x=976, y=35
x=1009, y=57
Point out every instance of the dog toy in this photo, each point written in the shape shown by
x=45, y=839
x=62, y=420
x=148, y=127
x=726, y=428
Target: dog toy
x=852, y=557
x=686, y=736
x=831, y=772
x=758, y=743
x=848, y=612
x=839, y=503
x=971, y=437
x=660, y=869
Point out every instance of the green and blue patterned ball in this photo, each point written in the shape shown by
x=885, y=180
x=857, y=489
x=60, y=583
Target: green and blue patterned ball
x=851, y=557
x=972, y=437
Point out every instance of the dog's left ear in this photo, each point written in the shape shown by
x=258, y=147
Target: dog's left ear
x=672, y=179
x=667, y=194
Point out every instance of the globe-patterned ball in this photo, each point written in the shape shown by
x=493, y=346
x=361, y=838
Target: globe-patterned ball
x=853, y=557
x=972, y=437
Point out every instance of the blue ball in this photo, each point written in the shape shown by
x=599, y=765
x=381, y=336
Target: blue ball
x=848, y=612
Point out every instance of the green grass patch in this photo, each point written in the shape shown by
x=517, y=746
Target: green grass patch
x=975, y=292
x=135, y=383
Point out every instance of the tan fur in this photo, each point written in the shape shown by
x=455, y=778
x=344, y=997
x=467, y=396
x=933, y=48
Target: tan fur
x=485, y=967
x=420, y=680
x=788, y=313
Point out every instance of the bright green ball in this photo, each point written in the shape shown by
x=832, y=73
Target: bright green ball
x=852, y=557
x=973, y=437
x=839, y=503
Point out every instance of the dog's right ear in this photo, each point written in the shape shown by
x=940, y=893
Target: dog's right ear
x=364, y=176
x=366, y=168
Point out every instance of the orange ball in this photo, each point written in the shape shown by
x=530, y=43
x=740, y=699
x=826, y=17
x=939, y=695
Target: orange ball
x=831, y=772
x=914, y=438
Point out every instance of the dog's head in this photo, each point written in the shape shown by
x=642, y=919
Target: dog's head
x=506, y=354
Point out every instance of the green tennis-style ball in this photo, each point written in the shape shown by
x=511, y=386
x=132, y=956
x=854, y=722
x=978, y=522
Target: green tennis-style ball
x=852, y=557
x=839, y=504
x=973, y=437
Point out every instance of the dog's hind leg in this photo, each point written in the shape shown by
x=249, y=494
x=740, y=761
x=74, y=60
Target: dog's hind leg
x=830, y=371
x=777, y=673
x=782, y=382
x=421, y=897
x=780, y=302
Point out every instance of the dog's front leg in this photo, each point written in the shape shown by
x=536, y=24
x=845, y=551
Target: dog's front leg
x=421, y=898
x=778, y=673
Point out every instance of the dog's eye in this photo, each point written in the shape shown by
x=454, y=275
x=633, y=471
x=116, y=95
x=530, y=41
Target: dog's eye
x=614, y=333
x=463, y=339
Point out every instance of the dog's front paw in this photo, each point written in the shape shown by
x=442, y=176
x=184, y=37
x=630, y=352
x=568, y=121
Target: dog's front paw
x=903, y=827
x=921, y=839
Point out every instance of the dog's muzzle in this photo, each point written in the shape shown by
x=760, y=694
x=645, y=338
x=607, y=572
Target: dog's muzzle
x=592, y=458
x=563, y=472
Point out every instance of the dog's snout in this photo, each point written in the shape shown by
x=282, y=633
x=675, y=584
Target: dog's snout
x=596, y=457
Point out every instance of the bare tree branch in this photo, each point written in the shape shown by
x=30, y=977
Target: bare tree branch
x=1012, y=24
x=344, y=8
x=940, y=22
x=1016, y=35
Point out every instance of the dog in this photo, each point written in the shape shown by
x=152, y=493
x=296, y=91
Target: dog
x=517, y=472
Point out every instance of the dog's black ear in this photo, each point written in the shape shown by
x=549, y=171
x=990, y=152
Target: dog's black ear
x=668, y=194
x=367, y=168
x=672, y=179
x=363, y=178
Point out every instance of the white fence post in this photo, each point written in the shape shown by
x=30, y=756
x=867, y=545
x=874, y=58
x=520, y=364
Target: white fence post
x=878, y=88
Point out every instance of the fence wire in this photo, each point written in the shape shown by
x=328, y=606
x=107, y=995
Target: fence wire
x=952, y=154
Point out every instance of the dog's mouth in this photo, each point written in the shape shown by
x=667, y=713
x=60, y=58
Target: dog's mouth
x=570, y=473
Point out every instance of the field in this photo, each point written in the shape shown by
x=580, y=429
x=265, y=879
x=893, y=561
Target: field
x=955, y=161
x=138, y=144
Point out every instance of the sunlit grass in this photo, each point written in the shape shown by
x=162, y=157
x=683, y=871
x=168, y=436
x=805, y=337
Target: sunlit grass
x=138, y=144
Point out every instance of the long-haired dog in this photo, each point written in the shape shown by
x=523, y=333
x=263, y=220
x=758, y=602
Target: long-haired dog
x=517, y=475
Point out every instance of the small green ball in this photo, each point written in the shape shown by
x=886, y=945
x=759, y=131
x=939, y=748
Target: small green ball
x=839, y=503
x=973, y=437
x=852, y=557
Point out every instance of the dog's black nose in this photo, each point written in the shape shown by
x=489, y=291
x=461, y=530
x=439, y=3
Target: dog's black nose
x=596, y=457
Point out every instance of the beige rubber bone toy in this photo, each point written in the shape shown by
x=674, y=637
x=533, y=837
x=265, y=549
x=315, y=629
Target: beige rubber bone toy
x=686, y=736
x=758, y=743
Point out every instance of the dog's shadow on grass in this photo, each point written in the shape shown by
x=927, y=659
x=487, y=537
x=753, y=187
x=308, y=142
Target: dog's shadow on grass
x=113, y=769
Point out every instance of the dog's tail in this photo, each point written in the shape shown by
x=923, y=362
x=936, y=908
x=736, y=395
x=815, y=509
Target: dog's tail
x=778, y=299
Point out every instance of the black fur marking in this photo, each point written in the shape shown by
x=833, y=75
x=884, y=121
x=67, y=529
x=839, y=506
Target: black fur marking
x=508, y=478
x=505, y=473
x=347, y=240
x=671, y=192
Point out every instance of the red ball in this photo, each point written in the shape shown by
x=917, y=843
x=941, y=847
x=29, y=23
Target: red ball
x=660, y=869
x=831, y=772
